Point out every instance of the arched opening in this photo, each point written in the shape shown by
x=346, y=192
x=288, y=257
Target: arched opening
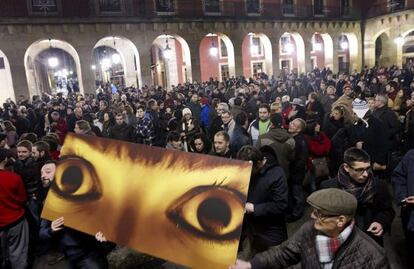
x=6, y=82
x=170, y=61
x=116, y=60
x=347, y=45
x=257, y=55
x=292, y=52
x=52, y=66
x=385, y=50
x=322, y=51
x=408, y=49
x=216, y=57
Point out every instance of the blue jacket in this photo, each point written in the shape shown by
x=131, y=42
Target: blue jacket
x=403, y=180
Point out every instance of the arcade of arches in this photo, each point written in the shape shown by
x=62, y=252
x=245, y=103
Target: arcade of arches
x=52, y=57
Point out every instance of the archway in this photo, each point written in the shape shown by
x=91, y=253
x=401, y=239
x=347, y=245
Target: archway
x=257, y=55
x=347, y=45
x=116, y=60
x=170, y=61
x=292, y=52
x=51, y=66
x=322, y=51
x=385, y=50
x=216, y=57
x=6, y=81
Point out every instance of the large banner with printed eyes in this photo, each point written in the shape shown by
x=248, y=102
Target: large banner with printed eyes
x=183, y=207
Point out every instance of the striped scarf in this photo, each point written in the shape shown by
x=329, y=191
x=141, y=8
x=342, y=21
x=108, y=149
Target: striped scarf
x=363, y=193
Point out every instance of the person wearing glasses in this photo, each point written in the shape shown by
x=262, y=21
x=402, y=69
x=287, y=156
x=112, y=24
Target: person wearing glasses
x=330, y=240
x=374, y=214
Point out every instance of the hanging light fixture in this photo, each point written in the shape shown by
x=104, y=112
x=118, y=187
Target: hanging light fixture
x=213, y=50
x=317, y=46
x=116, y=58
x=52, y=61
x=399, y=40
x=106, y=63
x=344, y=43
x=167, y=50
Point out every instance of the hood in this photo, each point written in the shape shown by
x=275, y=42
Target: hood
x=280, y=135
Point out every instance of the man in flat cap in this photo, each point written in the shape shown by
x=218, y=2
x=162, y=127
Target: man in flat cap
x=330, y=240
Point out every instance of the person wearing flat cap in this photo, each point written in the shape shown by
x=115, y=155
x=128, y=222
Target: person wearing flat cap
x=330, y=240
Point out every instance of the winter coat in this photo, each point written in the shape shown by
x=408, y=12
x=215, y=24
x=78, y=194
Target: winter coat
x=403, y=180
x=239, y=139
x=254, y=130
x=282, y=143
x=392, y=125
x=346, y=102
x=298, y=166
x=358, y=251
x=122, y=132
x=268, y=192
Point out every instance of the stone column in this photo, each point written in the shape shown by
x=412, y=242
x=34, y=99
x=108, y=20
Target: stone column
x=15, y=54
x=87, y=85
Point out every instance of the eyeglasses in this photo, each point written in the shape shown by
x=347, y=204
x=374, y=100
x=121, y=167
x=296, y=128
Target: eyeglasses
x=360, y=170
x=321, y=216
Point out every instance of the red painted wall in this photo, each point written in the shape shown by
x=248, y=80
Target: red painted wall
x=209, y=65
x=179, y=55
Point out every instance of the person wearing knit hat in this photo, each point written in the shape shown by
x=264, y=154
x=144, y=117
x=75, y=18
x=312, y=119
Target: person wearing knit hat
x=360, y=108
x=329, y=240
x=186, y=110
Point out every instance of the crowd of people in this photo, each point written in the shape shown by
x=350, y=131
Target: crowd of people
x=302, y=132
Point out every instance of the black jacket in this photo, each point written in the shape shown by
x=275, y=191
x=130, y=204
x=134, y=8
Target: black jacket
x=30, y=173
x=298, y=165
x=268, y=192
x=392, y=124
x=122, y=132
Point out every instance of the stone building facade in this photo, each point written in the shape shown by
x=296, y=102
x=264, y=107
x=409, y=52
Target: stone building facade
x=250, y=36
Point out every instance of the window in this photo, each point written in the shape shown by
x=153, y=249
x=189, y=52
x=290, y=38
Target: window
x=2, y=65
x=256, y=46
x=212, y=6
x=223, y=49
x=225, y=72
x=165, y=6
x=286, y=45
x=288, y=7
x=253, y=6
x=345, y=8
x=318, y=8
x=44, y=6
x=110, y=5
x=395, y=5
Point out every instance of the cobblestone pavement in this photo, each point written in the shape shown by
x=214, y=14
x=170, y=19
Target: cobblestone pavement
x=125, y=258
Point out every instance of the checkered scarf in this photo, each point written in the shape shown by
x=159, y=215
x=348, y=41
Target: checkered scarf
x=327, y=247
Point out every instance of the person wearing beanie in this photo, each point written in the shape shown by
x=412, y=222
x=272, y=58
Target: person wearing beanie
x=368, y=133
x=330, y=240
x=375, y=212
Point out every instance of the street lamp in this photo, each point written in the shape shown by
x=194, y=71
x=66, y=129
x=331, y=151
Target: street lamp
x=93, y=67
x=288, y=47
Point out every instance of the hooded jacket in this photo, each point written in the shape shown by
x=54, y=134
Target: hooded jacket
x=282, y=143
